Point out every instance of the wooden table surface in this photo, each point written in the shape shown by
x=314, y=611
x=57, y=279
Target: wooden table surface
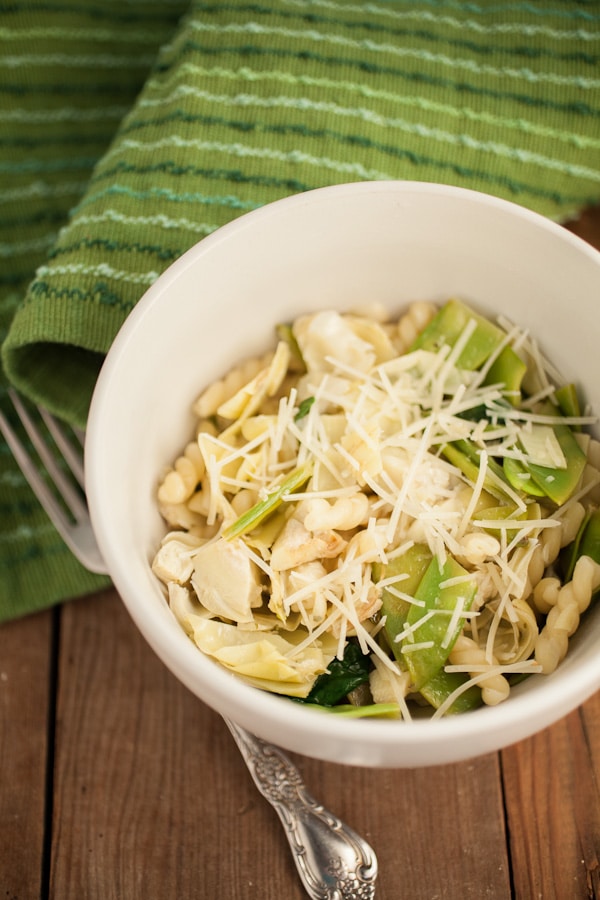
x=116, y=783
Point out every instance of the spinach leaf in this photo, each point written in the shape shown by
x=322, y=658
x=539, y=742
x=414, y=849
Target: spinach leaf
x=343, y=676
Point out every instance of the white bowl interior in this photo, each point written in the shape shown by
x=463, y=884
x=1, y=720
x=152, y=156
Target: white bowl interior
x=337, y=247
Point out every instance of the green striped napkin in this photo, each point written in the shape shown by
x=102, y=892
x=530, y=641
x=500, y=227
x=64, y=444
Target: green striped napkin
x=129, y=133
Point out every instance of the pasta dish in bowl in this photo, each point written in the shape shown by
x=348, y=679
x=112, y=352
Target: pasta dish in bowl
x=351, y=503
x=383, y=512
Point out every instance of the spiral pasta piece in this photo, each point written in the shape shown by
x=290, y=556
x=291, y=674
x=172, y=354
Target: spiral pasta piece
x=476, y=547
x=182, y=480
x=180, y=515
x=550, y=542
x=566, y=604
x=466, y=652
x=223, y=389
x=512, y=635
x=591, y=475
x=535, y=558
x=525, y=630
x=343, y=515
x=593, y=453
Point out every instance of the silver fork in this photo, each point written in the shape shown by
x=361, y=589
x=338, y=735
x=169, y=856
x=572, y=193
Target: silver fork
x=333, y=861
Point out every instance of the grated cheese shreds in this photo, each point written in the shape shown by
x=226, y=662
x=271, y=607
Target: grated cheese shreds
x=370, y=424
x=457, y=613
x=420, y=645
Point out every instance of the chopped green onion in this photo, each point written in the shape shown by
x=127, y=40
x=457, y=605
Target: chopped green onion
x=348, y=711
x=259, y=512
x=304, y=408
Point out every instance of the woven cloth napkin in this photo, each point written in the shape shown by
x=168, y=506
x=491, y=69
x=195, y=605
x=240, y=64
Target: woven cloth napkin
x=130, y=129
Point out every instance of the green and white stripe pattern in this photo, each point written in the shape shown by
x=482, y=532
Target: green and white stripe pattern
x=102, y=185
x=70, y=70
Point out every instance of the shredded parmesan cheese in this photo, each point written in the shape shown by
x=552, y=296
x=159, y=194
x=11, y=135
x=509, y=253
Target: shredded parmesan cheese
x=372, y=430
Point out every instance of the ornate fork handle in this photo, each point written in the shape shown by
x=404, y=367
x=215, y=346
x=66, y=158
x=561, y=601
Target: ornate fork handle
x=333, y=861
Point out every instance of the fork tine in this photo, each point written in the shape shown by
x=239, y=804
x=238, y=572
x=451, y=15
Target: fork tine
x=73, y=459
x=43, y=493
x=74, y=502
x=78, y=535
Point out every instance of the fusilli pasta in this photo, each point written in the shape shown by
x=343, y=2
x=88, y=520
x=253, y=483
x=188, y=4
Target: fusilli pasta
x=565, y=603
x=378, y=484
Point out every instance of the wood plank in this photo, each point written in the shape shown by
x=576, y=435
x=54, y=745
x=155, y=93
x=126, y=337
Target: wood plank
x=553, y=809
x=152, y=799
x=590, y=716
x=438, y=831
x=590, y=722
x=587, y=226
x=25, y=685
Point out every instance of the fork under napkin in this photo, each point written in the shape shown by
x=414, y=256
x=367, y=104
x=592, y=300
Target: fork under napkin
x=133, y=128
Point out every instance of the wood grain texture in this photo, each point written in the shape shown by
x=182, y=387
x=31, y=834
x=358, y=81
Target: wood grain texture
x=438, y=831
x=26, y=683
x=587, y=226
x=152, y=799
x=553, y=809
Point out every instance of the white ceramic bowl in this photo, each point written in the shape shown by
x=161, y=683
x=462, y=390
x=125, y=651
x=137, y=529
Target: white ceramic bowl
x=334, y=247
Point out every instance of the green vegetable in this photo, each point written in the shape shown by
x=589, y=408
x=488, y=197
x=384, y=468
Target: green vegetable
x=257, y=513
x=520, y=478
x=409, y=569
x=568, y=402
x=473, y=452
x=304, y=408
x=285, y=333
x=540, y=445
x=427, y=661
x=379, y=710
x=503, y=514
x=590, y=539
x=344, y=675
x=474, y=413
x=508, y=369
x=465, y=456
x=559, y=484
x=586, y=543
x=437, y=690
x=446, y=328
x=532, y=478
